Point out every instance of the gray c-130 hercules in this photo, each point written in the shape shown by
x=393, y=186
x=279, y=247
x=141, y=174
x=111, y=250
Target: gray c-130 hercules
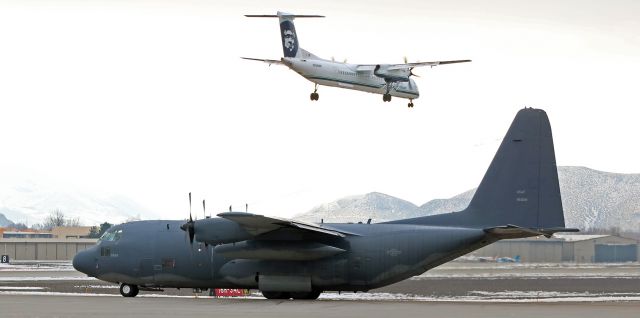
x=519, y=196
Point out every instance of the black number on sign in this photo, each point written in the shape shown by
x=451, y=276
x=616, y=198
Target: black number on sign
x=5, y=259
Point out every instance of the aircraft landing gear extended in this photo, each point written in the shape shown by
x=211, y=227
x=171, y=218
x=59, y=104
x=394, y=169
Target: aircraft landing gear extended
x=127, y=290
x=411, y=103
x=386, y=97
x=315, y=95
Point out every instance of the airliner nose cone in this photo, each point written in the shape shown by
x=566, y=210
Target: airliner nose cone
x=82, y=262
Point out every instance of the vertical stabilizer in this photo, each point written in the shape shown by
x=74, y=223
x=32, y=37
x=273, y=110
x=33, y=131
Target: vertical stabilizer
x=290, y=41
x=521, y=185
x=288, y=34
x=520, y=190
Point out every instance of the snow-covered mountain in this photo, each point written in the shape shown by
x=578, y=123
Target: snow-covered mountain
x=4, y=221
x=590, y=198
x=362, y=207
x=24, y=200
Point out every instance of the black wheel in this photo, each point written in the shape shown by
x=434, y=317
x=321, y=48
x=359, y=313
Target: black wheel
x=276, y=295
x=410, y=105
x=127, y=290
x=312, y=96
x=386, y=97
x=306, y=295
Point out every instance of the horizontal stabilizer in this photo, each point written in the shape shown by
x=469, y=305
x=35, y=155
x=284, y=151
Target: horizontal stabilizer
x=511, y=231
x=284, y=15
x=263, y=60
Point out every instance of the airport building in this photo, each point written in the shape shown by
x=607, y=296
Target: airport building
x=565, y=248
x=43, y=249
x=59, y=244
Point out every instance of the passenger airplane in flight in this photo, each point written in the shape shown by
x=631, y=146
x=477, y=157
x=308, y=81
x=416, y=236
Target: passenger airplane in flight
x=386, y=79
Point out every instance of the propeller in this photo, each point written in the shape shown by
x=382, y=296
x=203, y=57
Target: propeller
x=204, y=211
x=189, y=227
x=406, y=61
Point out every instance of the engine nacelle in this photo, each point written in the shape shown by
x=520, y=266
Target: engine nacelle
x=392, y=75
x=216, y=231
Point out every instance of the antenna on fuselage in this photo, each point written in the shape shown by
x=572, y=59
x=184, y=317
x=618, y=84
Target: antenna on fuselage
x=246, y=207
x=229, y=208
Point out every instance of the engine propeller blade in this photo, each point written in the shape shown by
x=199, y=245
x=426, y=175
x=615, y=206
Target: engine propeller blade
x=189, y=226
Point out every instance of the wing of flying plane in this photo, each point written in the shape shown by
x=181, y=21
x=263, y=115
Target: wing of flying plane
x=403, y=66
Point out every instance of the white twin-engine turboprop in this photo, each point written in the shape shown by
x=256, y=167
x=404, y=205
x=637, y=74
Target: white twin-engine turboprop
x=386, y=79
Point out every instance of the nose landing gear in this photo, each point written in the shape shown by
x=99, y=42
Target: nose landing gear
x=410, y=103
x=315, y=95
x=127, y=290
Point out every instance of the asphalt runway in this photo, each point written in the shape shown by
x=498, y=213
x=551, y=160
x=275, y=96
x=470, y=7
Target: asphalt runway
x=95, y=307
x=452, y=290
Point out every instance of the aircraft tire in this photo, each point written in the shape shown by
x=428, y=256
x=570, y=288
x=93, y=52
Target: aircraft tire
x=276, y=295
x=314, y=96
x=309, y=295
x=127, y=290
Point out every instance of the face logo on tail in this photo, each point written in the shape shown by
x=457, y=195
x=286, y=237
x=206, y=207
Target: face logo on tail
x=289, y=39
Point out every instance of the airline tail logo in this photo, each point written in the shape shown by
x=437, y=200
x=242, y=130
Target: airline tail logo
x=289, y=39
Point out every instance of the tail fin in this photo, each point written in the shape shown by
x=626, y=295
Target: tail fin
x=521, y=185
x=520, y=189
x=290, y=42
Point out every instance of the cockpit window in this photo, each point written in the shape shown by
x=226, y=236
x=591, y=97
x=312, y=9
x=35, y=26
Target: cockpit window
x=111, y=235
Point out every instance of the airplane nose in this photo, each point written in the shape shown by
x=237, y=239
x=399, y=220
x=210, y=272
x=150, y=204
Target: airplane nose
x=82, y=262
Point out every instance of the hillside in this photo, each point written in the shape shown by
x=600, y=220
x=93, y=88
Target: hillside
x=590, y=198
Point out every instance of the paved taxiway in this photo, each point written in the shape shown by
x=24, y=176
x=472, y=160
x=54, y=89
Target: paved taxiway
x=105, y=306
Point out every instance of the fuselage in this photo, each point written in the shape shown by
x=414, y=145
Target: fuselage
x=344, y=75
x=158, y=254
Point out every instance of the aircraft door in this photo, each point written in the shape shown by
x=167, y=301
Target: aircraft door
x=145, y=269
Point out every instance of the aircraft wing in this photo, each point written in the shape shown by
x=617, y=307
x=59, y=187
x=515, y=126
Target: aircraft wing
x=259, y=224
x=371, y=67
x=263, y=60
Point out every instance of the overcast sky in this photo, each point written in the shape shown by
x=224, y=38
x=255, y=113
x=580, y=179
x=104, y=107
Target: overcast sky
x=149, y=99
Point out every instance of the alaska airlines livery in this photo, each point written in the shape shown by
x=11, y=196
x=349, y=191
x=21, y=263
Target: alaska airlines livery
x=386, y=79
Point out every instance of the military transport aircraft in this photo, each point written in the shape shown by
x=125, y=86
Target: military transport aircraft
x=386, y=79
x=519, y=196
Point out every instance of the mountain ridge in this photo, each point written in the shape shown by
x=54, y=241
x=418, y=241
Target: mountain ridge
x=591, y=199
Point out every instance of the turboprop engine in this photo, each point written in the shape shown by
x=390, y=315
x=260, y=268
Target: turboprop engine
x=216, y=231
x=392, y=74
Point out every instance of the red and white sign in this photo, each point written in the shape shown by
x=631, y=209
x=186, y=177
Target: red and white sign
x=231, y=292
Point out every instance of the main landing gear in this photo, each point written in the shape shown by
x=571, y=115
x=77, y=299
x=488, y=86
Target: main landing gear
x=127, y=290
x=315, y=95
x=386, y=97
x=295, y=295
